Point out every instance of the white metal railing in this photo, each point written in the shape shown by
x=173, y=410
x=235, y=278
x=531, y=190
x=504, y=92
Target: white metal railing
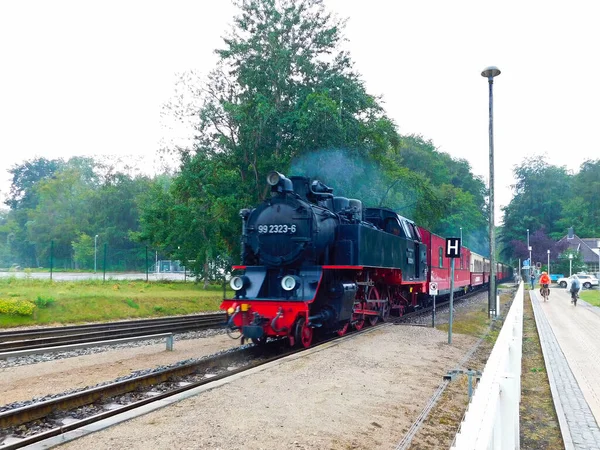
x=68, y=347
x=492, y=417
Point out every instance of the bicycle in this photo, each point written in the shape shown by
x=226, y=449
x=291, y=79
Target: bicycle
x=545, y=291
x=574, y=297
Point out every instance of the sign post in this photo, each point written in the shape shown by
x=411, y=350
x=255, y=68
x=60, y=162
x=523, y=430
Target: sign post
x=433, y=290
x=452, y=251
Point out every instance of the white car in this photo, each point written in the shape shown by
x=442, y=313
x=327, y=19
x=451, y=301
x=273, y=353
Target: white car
x=587, y=281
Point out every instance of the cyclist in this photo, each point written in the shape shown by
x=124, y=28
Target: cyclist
x=544, y=284
x=575, y=288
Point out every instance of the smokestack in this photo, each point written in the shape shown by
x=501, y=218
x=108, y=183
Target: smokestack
x=571, y=233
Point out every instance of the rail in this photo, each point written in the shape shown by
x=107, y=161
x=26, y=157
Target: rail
x=17, y=353
x=492, y=417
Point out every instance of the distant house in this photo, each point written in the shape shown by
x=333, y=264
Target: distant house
x=588, y=248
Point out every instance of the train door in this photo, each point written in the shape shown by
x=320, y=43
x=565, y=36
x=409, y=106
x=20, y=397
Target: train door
x=398, y=228
x=420, y=252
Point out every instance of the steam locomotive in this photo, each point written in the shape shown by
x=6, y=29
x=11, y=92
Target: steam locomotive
x=315, y=261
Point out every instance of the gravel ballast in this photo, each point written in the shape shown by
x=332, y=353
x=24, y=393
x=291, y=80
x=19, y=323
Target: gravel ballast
x=364, y=392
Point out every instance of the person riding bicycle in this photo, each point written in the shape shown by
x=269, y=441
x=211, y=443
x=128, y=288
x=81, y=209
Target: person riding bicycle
x=544, y=283
x=575, y=288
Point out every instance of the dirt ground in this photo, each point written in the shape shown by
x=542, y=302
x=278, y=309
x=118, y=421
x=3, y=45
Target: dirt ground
x=362, y=393
x=53, y=377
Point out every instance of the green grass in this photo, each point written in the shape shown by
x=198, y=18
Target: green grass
x=475, y=322
x=592, y=296
x=95, y=301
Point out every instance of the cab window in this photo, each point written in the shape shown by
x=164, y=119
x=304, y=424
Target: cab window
x=393, y=227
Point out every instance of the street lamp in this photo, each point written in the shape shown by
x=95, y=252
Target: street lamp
x=570, y=264
x=95, y=251
x=548, y=262
x=490, y=73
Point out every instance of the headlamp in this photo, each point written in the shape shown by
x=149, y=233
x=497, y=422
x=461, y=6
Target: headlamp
x=238, y=283
x=289, y=282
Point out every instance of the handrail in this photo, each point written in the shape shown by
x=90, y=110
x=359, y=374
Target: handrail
x=492, y=417
x=17, y=353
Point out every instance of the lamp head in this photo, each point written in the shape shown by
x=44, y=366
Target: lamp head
x=490, y=72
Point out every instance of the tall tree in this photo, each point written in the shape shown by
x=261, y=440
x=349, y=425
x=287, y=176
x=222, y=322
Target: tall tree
x=537, y=204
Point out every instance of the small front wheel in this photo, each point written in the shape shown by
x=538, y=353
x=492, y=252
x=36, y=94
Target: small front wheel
x=303, y=334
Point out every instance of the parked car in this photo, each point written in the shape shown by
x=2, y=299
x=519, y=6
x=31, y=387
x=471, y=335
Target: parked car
x=587, y=281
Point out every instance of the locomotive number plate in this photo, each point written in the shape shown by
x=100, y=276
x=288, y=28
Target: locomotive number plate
x=280, y=229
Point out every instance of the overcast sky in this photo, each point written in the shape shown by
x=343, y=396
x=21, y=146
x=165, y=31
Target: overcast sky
x=88, y=78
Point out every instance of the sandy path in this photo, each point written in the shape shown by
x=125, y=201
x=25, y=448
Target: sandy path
x=363, y=393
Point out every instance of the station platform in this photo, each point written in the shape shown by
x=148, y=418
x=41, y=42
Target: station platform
x=570, y=339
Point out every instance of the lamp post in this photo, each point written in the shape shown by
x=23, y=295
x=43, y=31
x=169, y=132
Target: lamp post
x=548, y=262
x=95, y=252
x=570, y=264
x=490, y=73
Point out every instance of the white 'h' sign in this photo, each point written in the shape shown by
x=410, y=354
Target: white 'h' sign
x=453, y=247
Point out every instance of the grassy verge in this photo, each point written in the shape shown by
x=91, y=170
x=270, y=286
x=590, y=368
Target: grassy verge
x=592, y=296
x=539, y=424
x=93, y=300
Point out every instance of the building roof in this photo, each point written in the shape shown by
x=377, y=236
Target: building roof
x=584, y=246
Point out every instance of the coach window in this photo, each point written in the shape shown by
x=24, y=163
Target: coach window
x=441, y=253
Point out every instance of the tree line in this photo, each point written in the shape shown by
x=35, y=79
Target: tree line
x=547, y=201
x=283, y=96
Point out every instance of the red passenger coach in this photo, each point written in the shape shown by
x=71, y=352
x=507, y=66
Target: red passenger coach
x=439, y=265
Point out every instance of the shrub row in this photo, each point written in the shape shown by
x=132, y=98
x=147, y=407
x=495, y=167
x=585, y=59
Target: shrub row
x=16, y=307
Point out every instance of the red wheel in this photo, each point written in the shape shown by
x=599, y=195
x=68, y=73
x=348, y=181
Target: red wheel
x=303, y=334
x=342, y=331
x=373, y=295
x=359, y=323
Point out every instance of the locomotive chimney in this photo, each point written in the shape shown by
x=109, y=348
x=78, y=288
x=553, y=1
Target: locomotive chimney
x=279, y=182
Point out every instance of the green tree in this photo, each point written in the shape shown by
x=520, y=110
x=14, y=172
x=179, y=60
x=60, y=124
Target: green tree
x=582, y=209
x=83, y=251
x=539, y=194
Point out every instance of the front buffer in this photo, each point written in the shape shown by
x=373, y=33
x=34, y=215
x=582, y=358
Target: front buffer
x=259, y=319
x=273, y=303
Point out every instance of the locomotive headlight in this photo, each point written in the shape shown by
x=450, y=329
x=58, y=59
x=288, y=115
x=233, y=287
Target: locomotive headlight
x=238, y=283
x=273, y=178
x=289, y=282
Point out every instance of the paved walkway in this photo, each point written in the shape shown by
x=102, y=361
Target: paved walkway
x=570, y=338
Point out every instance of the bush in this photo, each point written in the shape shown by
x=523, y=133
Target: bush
x=16, y=307
x=42, y=302
x=132, y=304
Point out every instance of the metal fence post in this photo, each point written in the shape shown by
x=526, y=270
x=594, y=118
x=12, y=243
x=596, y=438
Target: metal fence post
x=104, y=265
x=51, y=257
x=146, y=263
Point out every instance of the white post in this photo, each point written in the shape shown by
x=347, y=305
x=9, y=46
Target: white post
x=570, y=264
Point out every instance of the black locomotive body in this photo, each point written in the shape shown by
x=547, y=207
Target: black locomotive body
x=313, y=260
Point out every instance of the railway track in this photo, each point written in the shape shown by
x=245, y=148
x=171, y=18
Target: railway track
x=56, y=336
x=40, y=421
x=44, y=420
